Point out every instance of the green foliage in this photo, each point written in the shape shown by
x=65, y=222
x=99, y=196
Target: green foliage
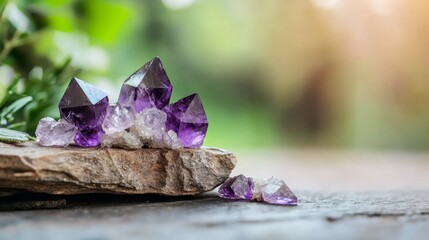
x=43, y=43
x=7, y=113
x=34, y=89
x=12, y=136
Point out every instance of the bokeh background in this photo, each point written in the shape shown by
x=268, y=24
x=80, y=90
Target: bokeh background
x=297, y=73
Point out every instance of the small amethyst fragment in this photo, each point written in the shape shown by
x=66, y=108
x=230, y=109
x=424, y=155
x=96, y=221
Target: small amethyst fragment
x=84, y=106
x=275, y=191
x=148, y=87
x=188, y=119
x=151, y=122
x=238, y=187
x=55, y=133
x=118, y=118
x=272, y=191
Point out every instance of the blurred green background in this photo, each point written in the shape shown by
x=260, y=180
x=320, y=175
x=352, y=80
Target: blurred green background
x=296, y=73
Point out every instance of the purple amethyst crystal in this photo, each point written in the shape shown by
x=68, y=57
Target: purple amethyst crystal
x=238, y=187
x=55, y=133
x=89, y=137
x=84, y=106
x=275, y=191
x=272, y=191
x=188, y=119
x=148, y=87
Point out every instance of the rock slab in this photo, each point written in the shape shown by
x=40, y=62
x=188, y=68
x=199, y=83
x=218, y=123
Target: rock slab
x=75, y=170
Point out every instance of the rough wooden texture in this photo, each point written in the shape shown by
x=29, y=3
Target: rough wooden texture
x=76, y=170
x=359, y=215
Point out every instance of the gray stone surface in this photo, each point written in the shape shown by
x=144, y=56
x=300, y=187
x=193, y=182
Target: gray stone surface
x=337, y=204
x=359, y=215
x=74, y=170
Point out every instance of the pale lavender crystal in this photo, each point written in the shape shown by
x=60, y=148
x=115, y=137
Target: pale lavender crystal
x=152, y=119
x=272, y=191
x=275, y=191
x=238, y=187
x=84, y=106
x=188, y=119
x=148, y=87
x=150, y=124
x=55, y=133
x=118, y=118
x=144, y=128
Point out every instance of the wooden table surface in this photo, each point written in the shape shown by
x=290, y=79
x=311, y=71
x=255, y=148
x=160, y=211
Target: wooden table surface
x=342, y=195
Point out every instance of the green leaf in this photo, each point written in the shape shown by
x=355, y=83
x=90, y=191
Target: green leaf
x=11, y=89
x=3, y=92
x=12, y=86
x=16, y=125
x=10, y=136
x=8, y=111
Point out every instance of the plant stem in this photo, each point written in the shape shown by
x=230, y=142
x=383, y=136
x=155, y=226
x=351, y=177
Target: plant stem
x=8, y=46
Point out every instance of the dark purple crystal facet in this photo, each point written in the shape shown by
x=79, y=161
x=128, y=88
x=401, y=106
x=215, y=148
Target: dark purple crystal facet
x=148, y=87
x=89, y=137
x=84, y=106
x=188, y=119
x=238, y=187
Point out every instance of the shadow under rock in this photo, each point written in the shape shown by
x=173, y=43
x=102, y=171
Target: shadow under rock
x=14, y=200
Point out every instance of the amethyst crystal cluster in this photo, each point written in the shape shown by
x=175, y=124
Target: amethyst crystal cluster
x=143, y=115
x=272, y=191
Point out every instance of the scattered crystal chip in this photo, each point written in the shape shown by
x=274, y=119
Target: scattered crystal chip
x=272, y=191
x=55, y=133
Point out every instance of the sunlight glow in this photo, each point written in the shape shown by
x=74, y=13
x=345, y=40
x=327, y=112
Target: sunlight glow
x=327, y=4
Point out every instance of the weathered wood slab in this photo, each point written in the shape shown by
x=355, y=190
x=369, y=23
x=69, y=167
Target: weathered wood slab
x=74, y=170
x=319, y=215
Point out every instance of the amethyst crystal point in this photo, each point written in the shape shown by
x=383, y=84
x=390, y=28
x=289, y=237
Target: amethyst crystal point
x=55, y=133
x=275, y=191
x=146, y=88
x=238, y=187
x=84, y=106
x=188, y=119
